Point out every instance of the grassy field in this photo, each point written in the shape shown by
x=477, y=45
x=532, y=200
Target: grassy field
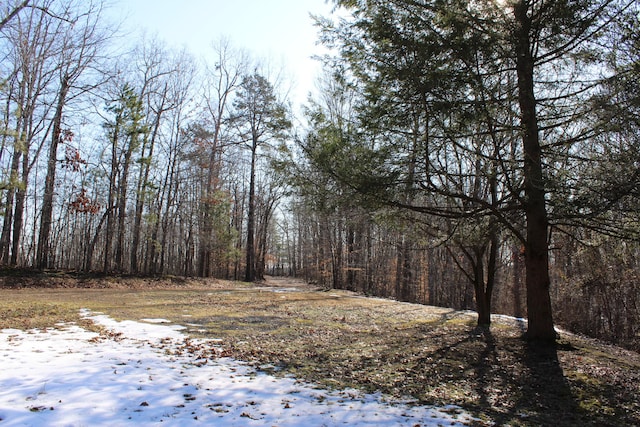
x=340, y=339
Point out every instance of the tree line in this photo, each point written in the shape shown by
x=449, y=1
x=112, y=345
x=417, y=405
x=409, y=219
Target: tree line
x=478, y=155
x=493, y=146
x=135, y=159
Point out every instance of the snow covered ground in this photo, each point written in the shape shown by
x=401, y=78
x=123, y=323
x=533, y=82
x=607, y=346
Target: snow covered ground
x=138, y=374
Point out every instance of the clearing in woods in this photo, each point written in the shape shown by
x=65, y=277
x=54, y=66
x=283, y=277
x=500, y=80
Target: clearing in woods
x=340, y=339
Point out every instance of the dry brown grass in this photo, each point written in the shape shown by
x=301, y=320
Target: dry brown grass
x=340, y=339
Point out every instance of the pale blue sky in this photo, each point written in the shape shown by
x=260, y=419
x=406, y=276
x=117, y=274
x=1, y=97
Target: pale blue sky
x=280, y=31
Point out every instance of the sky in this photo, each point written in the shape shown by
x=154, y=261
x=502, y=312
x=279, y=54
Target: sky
x=136, y=374
x=278, y=31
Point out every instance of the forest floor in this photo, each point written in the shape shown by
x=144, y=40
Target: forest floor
x=341, y=340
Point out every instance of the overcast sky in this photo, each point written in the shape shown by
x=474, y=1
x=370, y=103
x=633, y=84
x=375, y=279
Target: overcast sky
x=280, y=31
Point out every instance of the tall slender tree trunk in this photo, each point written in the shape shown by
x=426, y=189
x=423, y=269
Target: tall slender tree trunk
x=263, y=236
x=151, y=264
x=123, y=185
x=250, y=268
x=207, y=233
x=403, y=268
x=5, y=238
x=321, y=259
x=187, y=269
x=484, y=288
x=261, y=260
x=335, y=249
x=140, y=196
x=18, y=215
x=142, y=186
x=88, y=260
x=111, y=199
x=18, y=149
x=352, y=258
x=238, y=219
x=172, y=190
x=44, y=249
x=540, y=326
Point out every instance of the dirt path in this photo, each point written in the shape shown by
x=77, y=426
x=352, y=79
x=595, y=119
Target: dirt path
x=287, y=282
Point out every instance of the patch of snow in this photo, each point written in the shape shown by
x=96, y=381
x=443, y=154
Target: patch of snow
x=137, y=374
x=156, y=320
x=278, y=290
x=512, y=318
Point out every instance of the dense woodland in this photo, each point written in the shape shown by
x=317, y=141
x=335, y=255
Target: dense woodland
x=476, y=155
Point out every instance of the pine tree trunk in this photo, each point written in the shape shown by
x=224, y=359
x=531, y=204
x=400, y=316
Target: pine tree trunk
x=540, y=326
x=122, y=209
x=250, y=269
x=142, y=186
x=111, y=200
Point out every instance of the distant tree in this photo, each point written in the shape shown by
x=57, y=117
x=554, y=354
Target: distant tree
x=222, y=81
x=165, y=81
x=123, y=130
x=261, y=118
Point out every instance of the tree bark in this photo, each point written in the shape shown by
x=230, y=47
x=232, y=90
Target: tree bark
x=44, y=249
x=540, y=325
x=5, y=238
x=250, y=268
x=122, y=208
x=88, y=261
x=111, y=199
x=484, y=294
x=18, y=215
